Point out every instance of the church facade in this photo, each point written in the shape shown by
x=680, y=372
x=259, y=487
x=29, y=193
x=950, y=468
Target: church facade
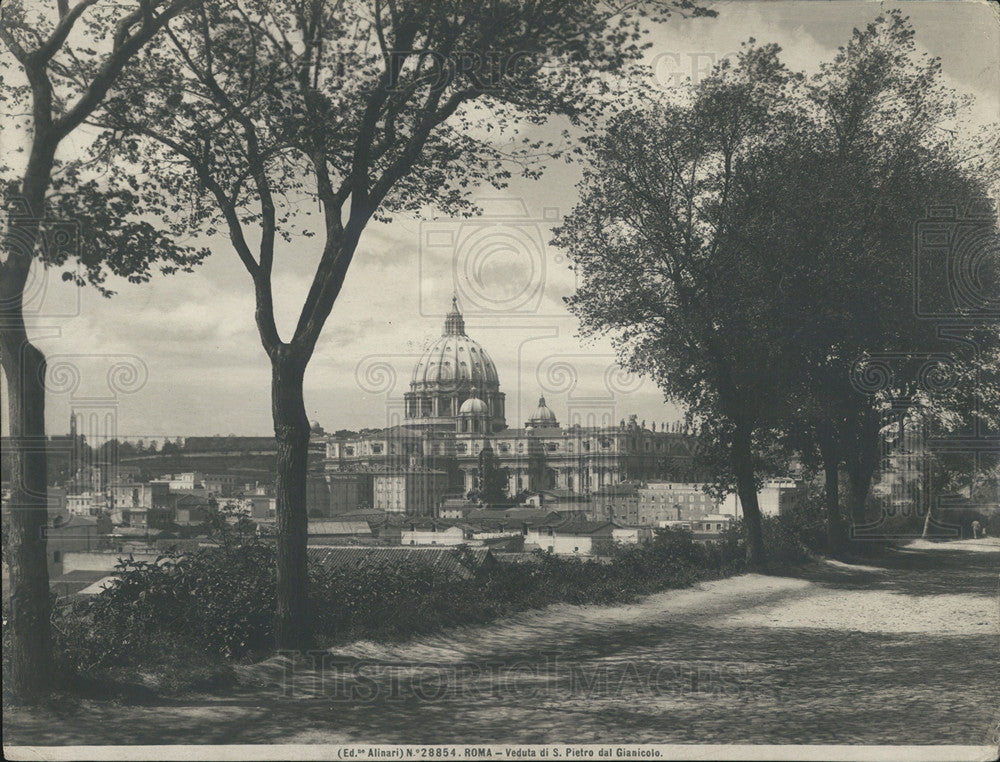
x=455, y=409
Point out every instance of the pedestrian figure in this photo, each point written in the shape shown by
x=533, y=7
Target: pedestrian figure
x=975, y=530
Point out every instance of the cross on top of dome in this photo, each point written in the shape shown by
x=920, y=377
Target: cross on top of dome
x=454, y=323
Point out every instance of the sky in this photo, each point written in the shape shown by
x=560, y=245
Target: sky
x=180, y=356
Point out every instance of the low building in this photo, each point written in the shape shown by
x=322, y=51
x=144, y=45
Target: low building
x=710, y=526
x=220, y=485
x=126, y=497
x=661, y=501
x=455, y=508
x=67, y=534
x=85, y=503
x=263, y=507
x=565, y=500
x=571, y=538
x=326, y=531
x=775, y=497
x=632, y=535
x=410, y=491
x=436, y=532
x=191, y=509
x=618, y=503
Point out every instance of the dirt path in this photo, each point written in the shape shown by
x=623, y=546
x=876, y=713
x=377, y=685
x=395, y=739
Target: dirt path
x=898, y=651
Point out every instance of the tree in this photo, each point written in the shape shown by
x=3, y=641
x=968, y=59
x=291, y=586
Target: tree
x=491, y=479
x=656, y=242
x=877, y=155
x=64, y=80
x=257, y=109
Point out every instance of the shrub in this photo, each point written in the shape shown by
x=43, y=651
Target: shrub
x=219, y=601
x=200, y=608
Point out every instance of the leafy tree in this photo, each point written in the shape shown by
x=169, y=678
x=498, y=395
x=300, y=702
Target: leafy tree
x=61, y=211
x=491, y=480
x=655, y=241
x=875, y=157
x=255, y=110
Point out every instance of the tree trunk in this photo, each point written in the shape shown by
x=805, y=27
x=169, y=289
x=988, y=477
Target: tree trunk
x=862, y=464
x=291, y=432
x=835, y=537
x=860, y=477
x=746, y=488
x=30, y=654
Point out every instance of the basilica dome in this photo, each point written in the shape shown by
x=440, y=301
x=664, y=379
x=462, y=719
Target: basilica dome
x=455, y=361
x=446, y=375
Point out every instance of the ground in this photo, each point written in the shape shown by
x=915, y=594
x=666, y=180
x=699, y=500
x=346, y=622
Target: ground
x=899, y=650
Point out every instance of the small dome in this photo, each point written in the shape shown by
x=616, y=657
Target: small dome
x=542, y=416
x=473, y=406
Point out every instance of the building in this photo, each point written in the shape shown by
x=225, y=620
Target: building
x=660, y=501
x=455, y=507
x=411, y=491
x=263, y=507
x=571, y=538
x=774, y=497
x=69, y=534
x=330, y=532
x=221, y=485
x=713, y=524
x=436, y=532
x=618, y=503
x=126, y=498
x=632, y=535
x=455, y=409
x=85, y=503
x=191, y=510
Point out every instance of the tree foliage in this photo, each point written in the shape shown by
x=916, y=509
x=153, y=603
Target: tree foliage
x=751, y=248
x=254, y=111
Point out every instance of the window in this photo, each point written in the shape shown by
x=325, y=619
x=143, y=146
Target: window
x=57, y=556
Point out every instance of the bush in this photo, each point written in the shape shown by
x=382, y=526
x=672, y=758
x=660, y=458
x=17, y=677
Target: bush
x=216, y=601
x=184, y=615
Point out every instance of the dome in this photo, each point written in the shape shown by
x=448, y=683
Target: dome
x=542, y=416
x=455, y=360
x=473, y=406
